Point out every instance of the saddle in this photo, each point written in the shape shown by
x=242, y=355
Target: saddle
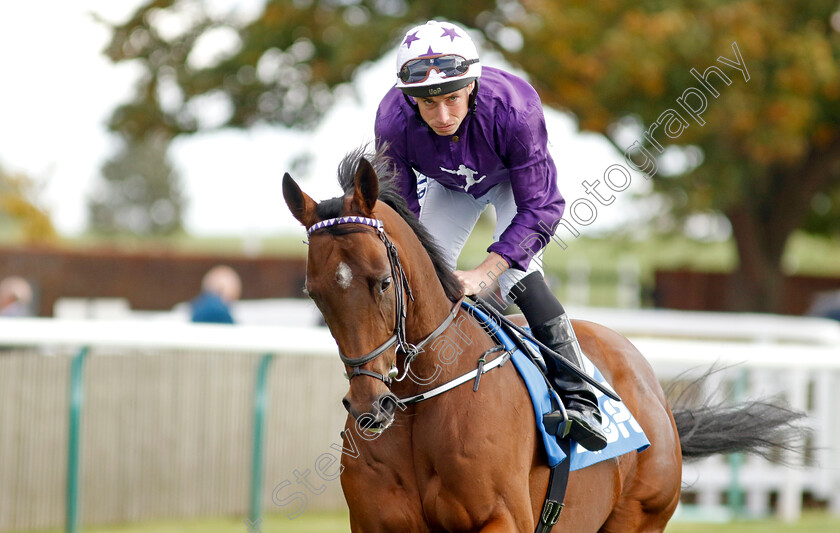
x=515, y=339
x=623, y=432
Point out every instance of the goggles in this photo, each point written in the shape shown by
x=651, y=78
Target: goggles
x=449, y=66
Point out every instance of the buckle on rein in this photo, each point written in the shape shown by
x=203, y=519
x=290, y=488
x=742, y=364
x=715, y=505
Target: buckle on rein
x=551, y=513
x=482, y=361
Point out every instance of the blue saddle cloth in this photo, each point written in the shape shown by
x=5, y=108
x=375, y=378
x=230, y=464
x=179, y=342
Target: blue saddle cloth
x=624, y=434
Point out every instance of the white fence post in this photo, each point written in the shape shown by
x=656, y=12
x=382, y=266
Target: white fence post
x=832, y=453
x=628, y=291
x=790, y=494
x=577, y=289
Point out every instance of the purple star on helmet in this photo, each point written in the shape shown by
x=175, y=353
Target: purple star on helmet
x=410, y=39
x=430, y=52
x=451, y=33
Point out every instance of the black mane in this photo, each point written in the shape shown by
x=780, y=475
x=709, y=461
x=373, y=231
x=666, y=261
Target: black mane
x=385, y=171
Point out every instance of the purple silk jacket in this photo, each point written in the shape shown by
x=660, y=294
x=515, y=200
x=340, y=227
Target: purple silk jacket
x=505, y=140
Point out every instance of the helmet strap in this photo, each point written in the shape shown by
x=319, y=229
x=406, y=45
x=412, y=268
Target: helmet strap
x=472, y=102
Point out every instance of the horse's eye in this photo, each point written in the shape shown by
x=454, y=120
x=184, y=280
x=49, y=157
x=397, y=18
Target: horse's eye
x=384, y=284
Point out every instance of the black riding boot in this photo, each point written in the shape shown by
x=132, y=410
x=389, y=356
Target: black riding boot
x=577, y=395
x=551, y=326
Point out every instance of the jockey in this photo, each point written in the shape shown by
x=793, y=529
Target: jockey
x=476, y=144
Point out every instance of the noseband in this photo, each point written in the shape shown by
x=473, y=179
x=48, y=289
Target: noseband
x=401, y=288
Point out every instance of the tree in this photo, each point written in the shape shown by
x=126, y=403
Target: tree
x=770, y=139
x=21, y=209
x=140, y=193
x=768, y=135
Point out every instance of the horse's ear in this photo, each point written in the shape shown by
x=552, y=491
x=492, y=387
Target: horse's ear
x=366, y=187
x=300, y=204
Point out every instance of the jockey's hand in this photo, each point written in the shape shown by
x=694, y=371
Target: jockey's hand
x=483, y=276
x=473, y=282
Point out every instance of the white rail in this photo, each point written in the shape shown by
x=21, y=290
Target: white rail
x=796, y=357
x=165, y=335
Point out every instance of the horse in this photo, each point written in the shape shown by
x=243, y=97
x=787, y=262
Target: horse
x=469, y=459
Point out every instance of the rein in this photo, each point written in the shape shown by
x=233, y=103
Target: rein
x=401, y=288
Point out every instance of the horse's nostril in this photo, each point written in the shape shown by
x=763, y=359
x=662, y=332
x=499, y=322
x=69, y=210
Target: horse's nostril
x=387, y=405
x=366, y=421
x=346, y=403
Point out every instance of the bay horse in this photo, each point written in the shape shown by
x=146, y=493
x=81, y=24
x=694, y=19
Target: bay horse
x=470, y=460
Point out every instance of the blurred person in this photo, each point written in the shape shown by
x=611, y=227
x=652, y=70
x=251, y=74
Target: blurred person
x=220, y=287
x=826, y=304
x=477, y=136
x=15, y=297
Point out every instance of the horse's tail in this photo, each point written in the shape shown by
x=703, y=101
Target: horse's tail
x=757, y=427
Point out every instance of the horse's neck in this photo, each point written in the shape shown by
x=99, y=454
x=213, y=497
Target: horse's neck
x=429, y=309
x=429, y=305
x=453, y=352
x=425, y=314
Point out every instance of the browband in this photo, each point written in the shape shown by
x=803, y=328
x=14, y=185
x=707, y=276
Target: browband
x=372, y=222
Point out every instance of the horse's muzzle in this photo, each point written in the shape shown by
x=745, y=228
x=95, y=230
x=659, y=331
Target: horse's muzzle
x=379, y=417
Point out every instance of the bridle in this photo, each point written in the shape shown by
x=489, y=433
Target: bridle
x=401, y=289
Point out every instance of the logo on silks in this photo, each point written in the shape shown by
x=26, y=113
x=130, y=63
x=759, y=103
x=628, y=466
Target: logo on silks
x=469, y=175
x=422, y=185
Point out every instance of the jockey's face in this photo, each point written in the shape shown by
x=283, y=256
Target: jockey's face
x=444, y=113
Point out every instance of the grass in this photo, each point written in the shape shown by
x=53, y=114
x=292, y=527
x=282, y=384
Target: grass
x=603, y=258
x=309, y=522
x=805, y=254
x=811, y=522
x=337, y=522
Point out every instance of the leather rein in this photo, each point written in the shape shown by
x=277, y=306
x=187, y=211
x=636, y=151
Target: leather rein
x=401, y=289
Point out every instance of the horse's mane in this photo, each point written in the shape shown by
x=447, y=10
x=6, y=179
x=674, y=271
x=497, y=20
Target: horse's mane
x=385, y=171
